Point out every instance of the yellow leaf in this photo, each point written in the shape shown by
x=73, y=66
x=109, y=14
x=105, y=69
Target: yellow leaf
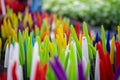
x=3, y=31
x=119, y=33
x=0, y=45
x=112, y=50
x=50, y=48
x=25, y=20
x=80, y=39
x=8, y=41
x=30, y=21
x=5, y=27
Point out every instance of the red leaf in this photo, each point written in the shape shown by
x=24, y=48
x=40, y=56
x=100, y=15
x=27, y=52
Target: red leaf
x=117, y=59
x=4, y=76
x=40, y=73
x=100, y=50
x=37, y=72
x=102, y=71
x=18, y=7
x=109, y=66
x=14, y=75
x=45, y=69
x=77, y=29
x=39, y=20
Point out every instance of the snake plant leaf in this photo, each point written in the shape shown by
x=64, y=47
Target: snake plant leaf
x=112, y=50
x=77, y=43
x=103, y=39
x=21, y=50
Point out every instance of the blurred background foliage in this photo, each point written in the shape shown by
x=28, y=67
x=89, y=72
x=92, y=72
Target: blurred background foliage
x=95, y=12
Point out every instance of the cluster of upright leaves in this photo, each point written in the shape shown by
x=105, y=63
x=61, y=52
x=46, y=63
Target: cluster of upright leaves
x=67, y=59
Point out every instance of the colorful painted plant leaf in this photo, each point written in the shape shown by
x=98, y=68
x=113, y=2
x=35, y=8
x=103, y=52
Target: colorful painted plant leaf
x=103, y=39
x=81, y=75
x=21, y=50
x=108, y=42
x=58, y=69
x=118, y=33
x=112, y=50
x=79, y=51
x=85, y=29
x=73, y=67
x=29, y=55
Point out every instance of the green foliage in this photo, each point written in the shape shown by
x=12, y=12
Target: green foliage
x=96, y=12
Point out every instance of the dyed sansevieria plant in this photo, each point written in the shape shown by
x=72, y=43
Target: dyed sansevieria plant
x=39, y=46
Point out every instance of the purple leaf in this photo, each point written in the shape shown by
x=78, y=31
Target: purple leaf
x=27, y=24
x=20, y=27
x=117, y=74
x=81, y=75
x=58, y=69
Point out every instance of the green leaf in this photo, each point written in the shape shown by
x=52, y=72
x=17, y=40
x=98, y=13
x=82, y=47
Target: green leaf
x=85, y=29
x=43, y=28
x=29, y=55
x=72, y=75
x=119, y=78
x=50, y=74
x=20, y=16
x=44, y=51
x=77, y=43
x=21, y=50
x=47, y=48
x=103, y=39
x=36, y=30
x=66, y=61
x=92, y=48
x=38, y=41
x=9, y=12
x=26, y=35
x=90, y=53
x=62, y=56
x=54, y=45
x=87, y=71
